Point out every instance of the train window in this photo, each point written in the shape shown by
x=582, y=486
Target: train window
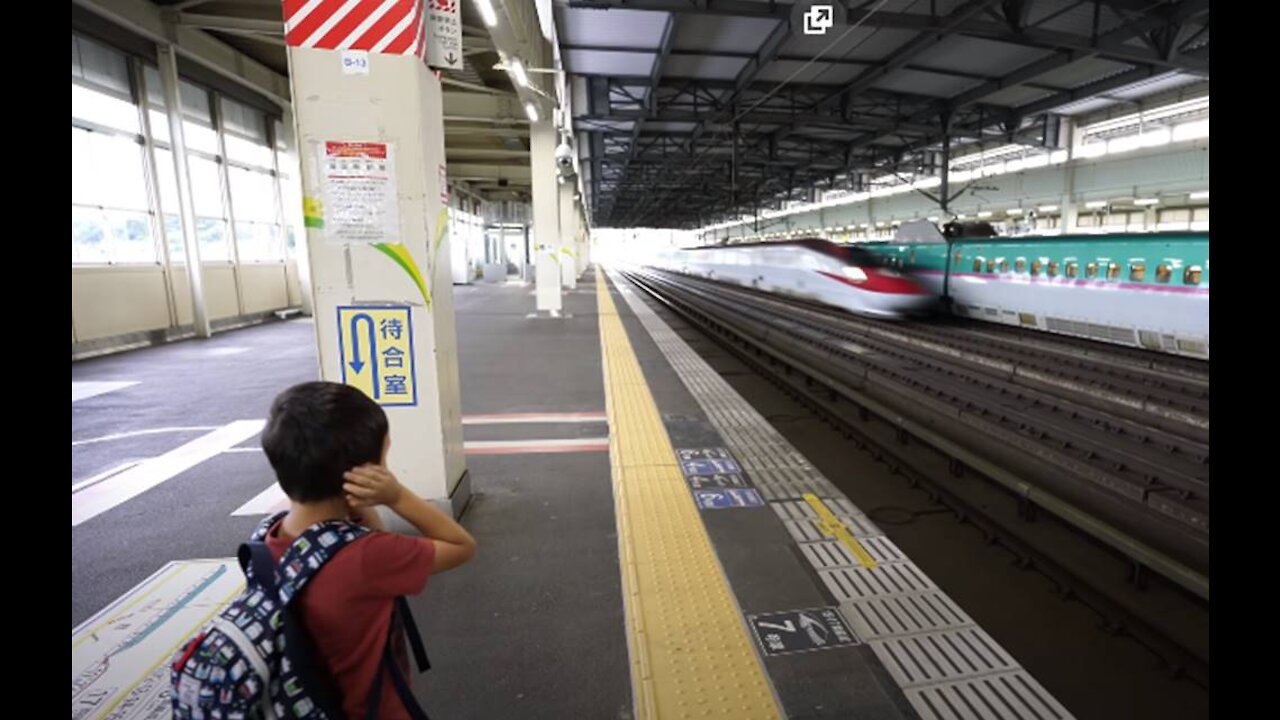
x=1020, y=265
x=1091, y=270
x=958, y=256
x=1191, y=276
x=1163, y=272
x=977, y=264
x=1053, y=268
x=1137, y=271
x=911, y=257
x=1073, y=269
x=991, y=265
x=1004, y=265
x=1113, y=270
x=1035, y=267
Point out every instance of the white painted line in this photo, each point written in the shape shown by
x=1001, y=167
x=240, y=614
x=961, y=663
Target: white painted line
x=88, y=389
x=243, y=450
x=224, y=351
x=264, y=503
x=512, y=418
x=103, y=476
x=513, y=447
x=99, y=498
x=137, y=433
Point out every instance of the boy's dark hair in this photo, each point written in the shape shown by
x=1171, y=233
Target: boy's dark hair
x=316, y=432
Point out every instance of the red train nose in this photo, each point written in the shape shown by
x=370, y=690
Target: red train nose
x=879, y=281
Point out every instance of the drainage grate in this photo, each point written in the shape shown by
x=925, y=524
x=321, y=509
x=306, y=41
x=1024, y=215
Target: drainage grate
x=934, y=657
x=790, y=483
x=880, y=618
x=858, y=582
x=1007, y=695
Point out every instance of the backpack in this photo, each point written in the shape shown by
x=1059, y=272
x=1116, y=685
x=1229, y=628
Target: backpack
x=255, y=661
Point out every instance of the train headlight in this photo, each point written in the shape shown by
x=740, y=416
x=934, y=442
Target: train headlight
x=855, y=274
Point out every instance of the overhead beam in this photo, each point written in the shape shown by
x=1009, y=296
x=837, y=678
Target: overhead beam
x=146, y=20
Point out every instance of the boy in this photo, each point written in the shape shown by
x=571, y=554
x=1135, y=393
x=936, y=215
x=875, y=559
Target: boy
x=328, y=445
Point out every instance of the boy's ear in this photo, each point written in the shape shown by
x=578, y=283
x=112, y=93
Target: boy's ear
x=386, y=449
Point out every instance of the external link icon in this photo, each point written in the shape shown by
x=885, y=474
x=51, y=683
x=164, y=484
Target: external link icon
x=819, y=19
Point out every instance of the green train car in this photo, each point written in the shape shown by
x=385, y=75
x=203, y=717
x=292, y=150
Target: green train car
x=1146, y=290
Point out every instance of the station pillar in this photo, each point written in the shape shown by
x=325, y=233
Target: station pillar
x=568, y=237
x=370, y=136
x=546, y=216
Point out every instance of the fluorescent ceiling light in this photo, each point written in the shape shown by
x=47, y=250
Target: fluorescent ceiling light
x=532, y=111
x=517, y=69
x=486, y=12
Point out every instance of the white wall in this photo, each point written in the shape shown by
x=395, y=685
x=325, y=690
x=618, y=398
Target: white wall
x=120, y=300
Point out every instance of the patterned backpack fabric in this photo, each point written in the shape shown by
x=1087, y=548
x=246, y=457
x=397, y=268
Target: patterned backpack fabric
x=255, y=661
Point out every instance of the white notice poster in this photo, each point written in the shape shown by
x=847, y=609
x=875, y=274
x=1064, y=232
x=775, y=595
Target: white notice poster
x=360, y=193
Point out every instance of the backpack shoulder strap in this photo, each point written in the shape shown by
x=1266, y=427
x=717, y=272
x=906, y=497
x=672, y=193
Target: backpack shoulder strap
x=264, y=527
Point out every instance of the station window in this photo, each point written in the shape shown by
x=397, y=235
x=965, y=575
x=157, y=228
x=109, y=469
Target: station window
x=1163, y=272
x=1113, y=270
x=1053, y=268
x=977, y=264
x=1073, y=268
x=1020, y=265
x=1035, y=267
x=1191, y=276
x=1137, y=271
x=1091, y=270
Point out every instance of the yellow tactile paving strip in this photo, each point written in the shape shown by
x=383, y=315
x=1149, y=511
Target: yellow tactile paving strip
x=691, y=656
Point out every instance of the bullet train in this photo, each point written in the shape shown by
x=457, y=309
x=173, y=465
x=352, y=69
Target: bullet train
x=842, y=276
x=1148, y=290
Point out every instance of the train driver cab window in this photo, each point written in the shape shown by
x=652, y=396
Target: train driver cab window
x=1113, y=271
x=1020, y=265
x=1137, y=271
x=1053, y=268
x=1163, y=272
x=1091, y=270
x=1191, y=276
x=1035, y=267
x=977, y=264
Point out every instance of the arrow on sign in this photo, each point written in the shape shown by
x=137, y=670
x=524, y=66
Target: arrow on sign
x=450, y=59
x=356, y=363
x=813, y=627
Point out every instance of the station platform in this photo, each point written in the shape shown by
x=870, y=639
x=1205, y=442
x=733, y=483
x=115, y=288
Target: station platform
x=649, y=546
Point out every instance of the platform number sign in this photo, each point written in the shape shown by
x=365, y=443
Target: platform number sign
x=801, y=631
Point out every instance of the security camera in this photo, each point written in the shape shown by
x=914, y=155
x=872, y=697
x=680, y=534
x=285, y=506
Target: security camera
x=564, y=159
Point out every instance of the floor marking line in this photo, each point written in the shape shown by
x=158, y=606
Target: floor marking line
x=103, y=476
x=533, y=417
x=85, y=389
x=138, y=433
x=99, y=498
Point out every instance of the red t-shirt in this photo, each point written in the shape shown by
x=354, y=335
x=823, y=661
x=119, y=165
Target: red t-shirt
x=347, y=607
